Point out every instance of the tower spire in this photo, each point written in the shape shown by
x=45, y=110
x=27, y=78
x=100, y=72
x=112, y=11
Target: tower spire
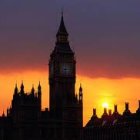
x=39, y=95
x=62, y=34
x=32, y=90
x=80, y=93
x=39, y=87
x=22, y=88
x=16, y=89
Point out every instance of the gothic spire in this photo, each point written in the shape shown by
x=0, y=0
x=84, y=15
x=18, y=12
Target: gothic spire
x=16, y=89
x=32, y=90
x=62, y=34
x=80, y=93
x=80, y=89
x=39, y=86
x=39, y=89
x=22, y=88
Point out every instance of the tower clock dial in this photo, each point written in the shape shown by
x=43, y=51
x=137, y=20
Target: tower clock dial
x=66, y=69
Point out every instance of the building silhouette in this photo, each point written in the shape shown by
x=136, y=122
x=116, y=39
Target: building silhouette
x=64, y=119
x=114, y=126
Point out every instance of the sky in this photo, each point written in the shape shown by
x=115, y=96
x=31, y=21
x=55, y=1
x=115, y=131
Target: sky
x=105, y=35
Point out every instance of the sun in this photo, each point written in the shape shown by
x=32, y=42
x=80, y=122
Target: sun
x=105, y=105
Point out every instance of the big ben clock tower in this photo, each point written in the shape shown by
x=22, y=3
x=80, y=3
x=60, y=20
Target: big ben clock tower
x=65, y=106
x=61, y=72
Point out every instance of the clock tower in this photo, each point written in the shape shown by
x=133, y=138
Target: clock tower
x=61, y=72
x=66, y=108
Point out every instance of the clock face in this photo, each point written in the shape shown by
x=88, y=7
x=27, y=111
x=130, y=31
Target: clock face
x=66, y=69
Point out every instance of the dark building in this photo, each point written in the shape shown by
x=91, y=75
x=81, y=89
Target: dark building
x=64, y=119
x=114, y=126
x=66, y=107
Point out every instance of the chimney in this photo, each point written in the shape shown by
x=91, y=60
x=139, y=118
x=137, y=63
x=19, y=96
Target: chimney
x=105, y=110
x=94, y=112
x=126, y=106
x=110, y=112
x=115, y=109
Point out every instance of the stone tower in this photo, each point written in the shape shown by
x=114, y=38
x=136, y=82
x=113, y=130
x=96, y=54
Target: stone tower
x=66, y=108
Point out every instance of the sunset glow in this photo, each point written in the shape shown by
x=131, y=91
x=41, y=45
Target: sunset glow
x=105, y=105
x=69, y=70
x=97, y=91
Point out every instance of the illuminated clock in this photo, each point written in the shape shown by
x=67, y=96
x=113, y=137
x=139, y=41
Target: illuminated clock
x=66, y=69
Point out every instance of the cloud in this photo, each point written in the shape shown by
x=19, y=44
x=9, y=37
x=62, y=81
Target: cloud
x=103, y=33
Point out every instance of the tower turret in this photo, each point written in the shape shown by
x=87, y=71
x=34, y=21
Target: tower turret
x=16, y=90
x=80, y=94
x=39, y=88
x=33, y=90
x=39, y=95
x=22, y=88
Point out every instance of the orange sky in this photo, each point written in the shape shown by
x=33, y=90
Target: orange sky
x=104, y=35
x=96, y=90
